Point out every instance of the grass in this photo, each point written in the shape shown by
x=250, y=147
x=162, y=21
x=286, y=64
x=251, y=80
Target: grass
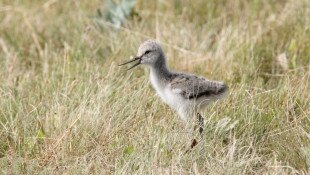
x=67, y=108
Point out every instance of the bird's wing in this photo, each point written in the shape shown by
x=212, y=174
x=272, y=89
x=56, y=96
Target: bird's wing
x=193, y=87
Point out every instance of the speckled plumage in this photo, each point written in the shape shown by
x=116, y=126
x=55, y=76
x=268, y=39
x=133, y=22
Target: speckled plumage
x=185, y=93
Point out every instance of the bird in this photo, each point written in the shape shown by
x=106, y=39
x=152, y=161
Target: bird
x=186, y=93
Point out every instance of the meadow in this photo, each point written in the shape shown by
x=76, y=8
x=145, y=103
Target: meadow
x=67, y=108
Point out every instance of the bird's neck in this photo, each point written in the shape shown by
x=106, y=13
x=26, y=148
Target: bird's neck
x=160, y=70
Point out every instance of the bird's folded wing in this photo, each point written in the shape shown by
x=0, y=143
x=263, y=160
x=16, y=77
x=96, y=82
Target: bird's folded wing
x=193, y=87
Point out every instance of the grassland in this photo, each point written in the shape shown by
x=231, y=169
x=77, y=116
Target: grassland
x=67, y=108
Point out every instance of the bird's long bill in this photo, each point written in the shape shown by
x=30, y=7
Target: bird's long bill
x=135, y=59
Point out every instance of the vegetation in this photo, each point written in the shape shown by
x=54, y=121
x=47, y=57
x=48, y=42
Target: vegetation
x=67, y=108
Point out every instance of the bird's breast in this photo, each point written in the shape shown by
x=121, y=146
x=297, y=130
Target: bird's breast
x=158, y=85
x=164, y=91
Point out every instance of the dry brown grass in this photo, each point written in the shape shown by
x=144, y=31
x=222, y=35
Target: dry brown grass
x=66, y=108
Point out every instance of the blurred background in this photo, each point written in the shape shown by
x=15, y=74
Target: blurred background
x=67, y=108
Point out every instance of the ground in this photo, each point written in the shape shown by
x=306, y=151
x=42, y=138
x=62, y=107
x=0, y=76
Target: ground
x=67, y=108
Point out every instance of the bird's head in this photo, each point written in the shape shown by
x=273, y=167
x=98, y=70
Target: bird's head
x=149, y=53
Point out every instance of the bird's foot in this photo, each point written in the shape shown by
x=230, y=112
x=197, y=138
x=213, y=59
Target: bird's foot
x=193, y=144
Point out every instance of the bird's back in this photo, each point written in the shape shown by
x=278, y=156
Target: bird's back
x=192, y=87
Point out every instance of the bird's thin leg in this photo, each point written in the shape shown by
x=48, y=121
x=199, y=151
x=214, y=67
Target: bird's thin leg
x=200, y=123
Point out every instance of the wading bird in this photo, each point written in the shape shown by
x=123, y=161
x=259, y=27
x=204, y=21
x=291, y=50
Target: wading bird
x=186, y=93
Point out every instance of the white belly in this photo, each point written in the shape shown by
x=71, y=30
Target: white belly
x=174, y=100
x=164, y=91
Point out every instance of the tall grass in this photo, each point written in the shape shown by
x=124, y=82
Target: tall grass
x=67, y=108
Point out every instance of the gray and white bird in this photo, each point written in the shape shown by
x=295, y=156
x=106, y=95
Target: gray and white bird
x=186, y=93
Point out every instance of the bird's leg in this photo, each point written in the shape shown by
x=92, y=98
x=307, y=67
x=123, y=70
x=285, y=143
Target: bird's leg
x=200, y=123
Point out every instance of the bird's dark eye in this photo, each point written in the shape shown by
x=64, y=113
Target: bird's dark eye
x=146, y=52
